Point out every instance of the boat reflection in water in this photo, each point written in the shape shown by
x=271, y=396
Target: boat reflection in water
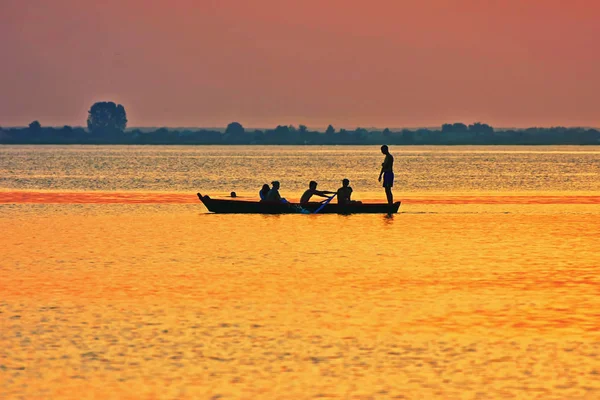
x=226, y=206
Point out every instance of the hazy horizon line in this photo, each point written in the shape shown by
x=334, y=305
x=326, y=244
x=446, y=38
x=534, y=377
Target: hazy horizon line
x=314, y=128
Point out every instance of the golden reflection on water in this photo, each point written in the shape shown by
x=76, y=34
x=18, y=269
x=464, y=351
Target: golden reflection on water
x=116, y=283
x=102, y=197
x=164, y=301
x=187, y=169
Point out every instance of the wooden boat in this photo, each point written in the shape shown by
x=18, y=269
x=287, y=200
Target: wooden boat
x=227, y=206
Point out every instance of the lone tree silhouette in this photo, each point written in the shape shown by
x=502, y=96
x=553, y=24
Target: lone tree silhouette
x=107, y=116
x=234, y=128
x=330, y=130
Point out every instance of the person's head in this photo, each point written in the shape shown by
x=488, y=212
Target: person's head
x=345, y=182
x=275, y=184
x=384, y=149
x=233, y=194
x=312, y=185
x=265, y=188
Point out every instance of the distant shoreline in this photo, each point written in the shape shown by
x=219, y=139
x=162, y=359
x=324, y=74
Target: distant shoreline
x=456, y=134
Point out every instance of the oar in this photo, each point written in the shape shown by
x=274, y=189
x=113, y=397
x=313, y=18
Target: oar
x=325, y=203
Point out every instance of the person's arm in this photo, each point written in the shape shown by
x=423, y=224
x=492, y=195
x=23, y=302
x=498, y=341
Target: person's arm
x=383, y=164
x=324, y=193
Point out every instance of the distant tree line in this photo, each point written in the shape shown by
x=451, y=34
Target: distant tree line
x=107, y=122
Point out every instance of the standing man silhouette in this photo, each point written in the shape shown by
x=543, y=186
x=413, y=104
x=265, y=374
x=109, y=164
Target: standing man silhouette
x=387, y=171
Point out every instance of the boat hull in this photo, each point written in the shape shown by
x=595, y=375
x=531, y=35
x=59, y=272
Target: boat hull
x=226, y=206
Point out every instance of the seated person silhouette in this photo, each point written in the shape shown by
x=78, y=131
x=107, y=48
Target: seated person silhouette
x=264, y=192
x=312, y=190
x=273, y=195
x=344, y=193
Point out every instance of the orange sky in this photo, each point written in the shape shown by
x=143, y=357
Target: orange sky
x=266, y=62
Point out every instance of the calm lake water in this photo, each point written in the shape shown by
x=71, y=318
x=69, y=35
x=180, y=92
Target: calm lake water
x=115, y=282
